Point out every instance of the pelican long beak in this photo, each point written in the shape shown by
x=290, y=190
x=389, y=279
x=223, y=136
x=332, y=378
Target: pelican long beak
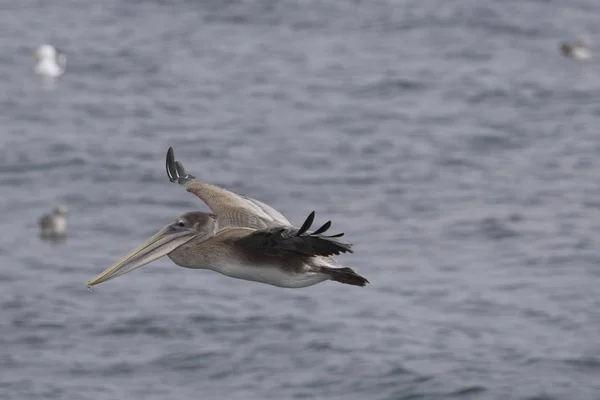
x=159, y=245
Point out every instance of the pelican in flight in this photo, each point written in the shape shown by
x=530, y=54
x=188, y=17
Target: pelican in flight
x=242, y=238
x=578, y=50
x=51, y=64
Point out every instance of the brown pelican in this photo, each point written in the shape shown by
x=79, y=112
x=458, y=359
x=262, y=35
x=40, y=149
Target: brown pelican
x=51, y=64
x=243, y=238
x=578, y=50
x=54, y=225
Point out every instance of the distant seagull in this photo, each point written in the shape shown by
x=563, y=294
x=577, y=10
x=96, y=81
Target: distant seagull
x=244, y=239
x=51, y=64
x=578, y=50
x=54, y=225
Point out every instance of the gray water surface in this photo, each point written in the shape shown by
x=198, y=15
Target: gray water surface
x=449, y=139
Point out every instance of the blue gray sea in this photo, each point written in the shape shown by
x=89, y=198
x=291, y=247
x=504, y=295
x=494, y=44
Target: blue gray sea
x=450, y=140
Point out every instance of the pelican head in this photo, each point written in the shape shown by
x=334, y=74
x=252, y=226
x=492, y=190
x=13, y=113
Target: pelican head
x=192, y=225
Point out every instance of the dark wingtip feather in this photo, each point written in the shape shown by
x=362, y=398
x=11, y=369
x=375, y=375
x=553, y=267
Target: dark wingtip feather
x=175, y=170
x=170, y=164
x=306, y=224
x=322, y=229
x=180, y=169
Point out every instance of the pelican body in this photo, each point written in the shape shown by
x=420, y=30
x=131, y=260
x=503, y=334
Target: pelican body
x=242, y=238
x=51, y=64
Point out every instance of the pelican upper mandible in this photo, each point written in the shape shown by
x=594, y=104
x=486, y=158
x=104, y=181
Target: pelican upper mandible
x=242, y=238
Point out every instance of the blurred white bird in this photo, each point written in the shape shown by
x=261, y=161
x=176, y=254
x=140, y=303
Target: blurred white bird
x=578, y=50
x=51, y=64
x=54, y=225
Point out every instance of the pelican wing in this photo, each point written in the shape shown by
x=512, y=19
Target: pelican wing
x=281, y=239
x=267, y=209
x=233, y=210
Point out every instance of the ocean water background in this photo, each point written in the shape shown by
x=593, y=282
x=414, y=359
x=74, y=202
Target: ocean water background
x=450, y=140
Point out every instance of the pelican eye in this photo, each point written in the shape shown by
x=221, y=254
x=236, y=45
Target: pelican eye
x=181, y=224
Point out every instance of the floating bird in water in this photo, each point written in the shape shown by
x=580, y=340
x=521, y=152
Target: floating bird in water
x=51, y=64
x=578, y=50
x=243, y=238
x=54, y=225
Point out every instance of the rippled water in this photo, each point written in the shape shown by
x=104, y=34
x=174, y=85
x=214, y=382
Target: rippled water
x=450, y=141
